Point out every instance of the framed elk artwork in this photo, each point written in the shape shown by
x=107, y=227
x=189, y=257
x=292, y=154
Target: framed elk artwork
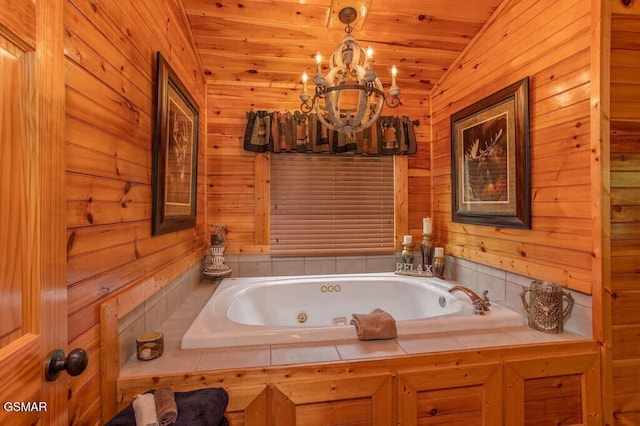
x=490, y=176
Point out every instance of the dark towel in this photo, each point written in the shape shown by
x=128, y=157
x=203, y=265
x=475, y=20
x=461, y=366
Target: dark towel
x=166, y=407
x=375, y=326
x=201, y=407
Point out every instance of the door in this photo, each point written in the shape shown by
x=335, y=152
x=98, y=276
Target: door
x=33, y=298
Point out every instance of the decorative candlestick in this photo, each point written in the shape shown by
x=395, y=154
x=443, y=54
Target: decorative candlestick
x=217, y=269
x=407, y=252
x=426, y=248
x=438, y=262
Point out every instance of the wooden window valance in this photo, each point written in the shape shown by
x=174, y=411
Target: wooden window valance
x=298, y=132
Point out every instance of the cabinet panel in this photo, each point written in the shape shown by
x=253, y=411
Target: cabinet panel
x=466, y=395
x=247, y=406
x=556, y=390
x=361, y=400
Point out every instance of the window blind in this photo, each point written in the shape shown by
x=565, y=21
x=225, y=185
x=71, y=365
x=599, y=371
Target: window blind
x=331, y=204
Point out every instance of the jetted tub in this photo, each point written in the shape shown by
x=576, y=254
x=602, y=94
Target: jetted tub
x=270, y=310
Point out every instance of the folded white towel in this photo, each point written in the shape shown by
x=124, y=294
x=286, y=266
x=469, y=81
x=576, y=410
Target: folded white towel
x=144, y=407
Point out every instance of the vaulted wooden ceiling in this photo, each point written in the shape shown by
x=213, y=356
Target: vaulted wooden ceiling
x=270, y=43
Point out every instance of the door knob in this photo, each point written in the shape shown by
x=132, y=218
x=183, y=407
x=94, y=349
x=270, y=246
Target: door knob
x=75, y=363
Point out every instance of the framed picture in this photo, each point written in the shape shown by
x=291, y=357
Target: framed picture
x=175, y=154
x=490, y=183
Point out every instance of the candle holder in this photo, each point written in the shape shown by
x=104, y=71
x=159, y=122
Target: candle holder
x=217, y=269
x=426, y=248
x=438, y=266
x=407, y=255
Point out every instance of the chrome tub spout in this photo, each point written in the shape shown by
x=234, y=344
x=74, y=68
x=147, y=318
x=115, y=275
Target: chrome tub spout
x=479, y=305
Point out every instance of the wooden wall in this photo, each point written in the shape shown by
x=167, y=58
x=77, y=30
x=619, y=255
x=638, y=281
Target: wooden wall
x=625, y=212
x=110, y=54
x=238, y=181
x=549, y=41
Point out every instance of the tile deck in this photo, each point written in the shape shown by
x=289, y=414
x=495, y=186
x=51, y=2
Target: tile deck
x=177, y=360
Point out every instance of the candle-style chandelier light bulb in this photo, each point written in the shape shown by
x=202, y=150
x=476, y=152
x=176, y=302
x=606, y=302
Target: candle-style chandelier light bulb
x=350, y=70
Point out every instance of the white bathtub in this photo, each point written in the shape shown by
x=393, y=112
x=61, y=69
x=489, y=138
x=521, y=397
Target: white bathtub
x=258, y=311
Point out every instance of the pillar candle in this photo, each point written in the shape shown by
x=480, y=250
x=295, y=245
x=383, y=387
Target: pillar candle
x=438, y=252
x=407, y=239
x=427, y=225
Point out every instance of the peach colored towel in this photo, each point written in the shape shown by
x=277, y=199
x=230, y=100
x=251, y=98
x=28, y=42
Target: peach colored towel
x=375, y=326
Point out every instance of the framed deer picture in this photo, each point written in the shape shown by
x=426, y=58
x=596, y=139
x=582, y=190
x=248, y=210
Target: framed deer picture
x=490, y=176
x=175, y=154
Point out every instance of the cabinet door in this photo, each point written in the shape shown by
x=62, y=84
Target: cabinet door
x=33, y=292
x=247, y=406
x=556, y=390
x=359, y=400
x=452, y=396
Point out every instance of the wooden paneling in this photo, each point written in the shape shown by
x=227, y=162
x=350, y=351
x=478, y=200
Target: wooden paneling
x=460, y=388
x=110, y=51
x=549, y=42
x=466, y=395
x=625, y=209
x=555, y=390
x=238, y=181
x=281, y=38
x=359, y=400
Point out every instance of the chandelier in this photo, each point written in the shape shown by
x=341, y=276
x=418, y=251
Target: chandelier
x=350, y=97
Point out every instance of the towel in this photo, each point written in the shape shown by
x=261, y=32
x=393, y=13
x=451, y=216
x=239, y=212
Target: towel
x=144, y=407
x=374, y=326
x=201, y=407
x=166, y=407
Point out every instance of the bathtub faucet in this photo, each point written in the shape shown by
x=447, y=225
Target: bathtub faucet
x=479, y=305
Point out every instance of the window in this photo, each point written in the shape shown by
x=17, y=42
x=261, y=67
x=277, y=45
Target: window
x=331, y=204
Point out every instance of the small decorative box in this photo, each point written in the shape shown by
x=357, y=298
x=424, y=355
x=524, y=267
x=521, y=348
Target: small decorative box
x=150, y=346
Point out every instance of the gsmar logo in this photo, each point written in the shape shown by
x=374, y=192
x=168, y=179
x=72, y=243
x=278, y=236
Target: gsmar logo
x=15, y=406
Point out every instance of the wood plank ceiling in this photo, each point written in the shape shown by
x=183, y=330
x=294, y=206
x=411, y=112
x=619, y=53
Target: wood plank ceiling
x=269, y=43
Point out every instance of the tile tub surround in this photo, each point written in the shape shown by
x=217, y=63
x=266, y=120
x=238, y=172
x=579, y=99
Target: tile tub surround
x=503, y=286
x=263, y=265
x=156, y=310
x=177, y=360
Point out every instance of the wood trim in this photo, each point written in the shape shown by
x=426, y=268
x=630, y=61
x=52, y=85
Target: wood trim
x=601, y=194
x=600, y=164
x=262, y=196
x=49, y=174
x=401, y=205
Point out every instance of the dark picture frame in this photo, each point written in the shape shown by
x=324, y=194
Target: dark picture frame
x=175, y=153
x=490, y=172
